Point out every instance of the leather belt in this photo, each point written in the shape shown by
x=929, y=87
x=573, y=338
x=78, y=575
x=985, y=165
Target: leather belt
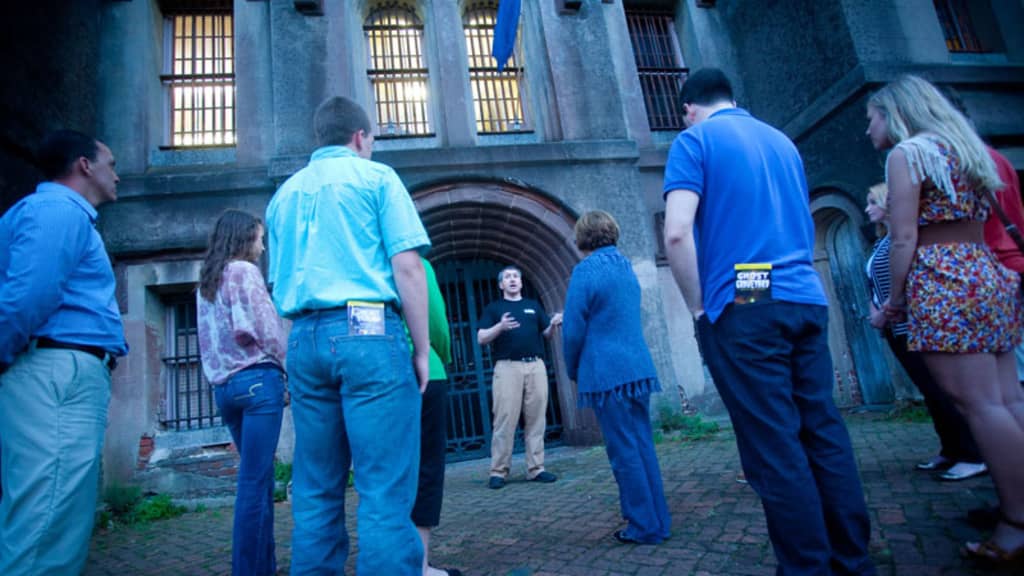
x=526, y=359
x=105, y=357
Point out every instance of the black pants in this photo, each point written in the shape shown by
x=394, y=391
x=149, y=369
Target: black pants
x=955, y=439
x=426, y=512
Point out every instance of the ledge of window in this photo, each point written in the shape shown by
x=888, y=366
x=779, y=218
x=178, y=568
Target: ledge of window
x=168, y=440
x=191, y=156
x=978, y=58
x=412, y=142
x=501, y=138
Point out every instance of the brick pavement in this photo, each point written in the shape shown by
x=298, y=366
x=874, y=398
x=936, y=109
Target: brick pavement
x=563, y=529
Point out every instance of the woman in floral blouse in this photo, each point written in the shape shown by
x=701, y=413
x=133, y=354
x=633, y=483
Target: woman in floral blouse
x=242, y=343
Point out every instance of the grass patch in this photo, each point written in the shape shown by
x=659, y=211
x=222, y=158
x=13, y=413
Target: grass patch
x=685, y=427
x=913, y=413
x=126, y=505
x=282, y=476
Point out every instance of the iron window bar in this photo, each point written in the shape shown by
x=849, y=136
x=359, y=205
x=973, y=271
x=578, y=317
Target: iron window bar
x=497, y=96
x=398, y=73
x=659, y=67
x=958, y=27
x=189, y=400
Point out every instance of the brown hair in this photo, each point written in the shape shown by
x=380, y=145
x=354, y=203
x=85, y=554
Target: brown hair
x=337, y=119
x=596, y=229
x=232, y=239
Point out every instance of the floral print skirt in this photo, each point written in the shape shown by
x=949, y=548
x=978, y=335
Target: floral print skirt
x=962, y=300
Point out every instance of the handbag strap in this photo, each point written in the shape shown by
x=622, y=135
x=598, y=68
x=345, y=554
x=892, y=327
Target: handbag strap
x=1011, y=228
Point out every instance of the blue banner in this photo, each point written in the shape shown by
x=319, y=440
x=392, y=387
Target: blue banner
x=505, y=31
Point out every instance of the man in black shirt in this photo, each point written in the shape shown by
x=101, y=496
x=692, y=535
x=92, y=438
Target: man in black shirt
x=515, y=326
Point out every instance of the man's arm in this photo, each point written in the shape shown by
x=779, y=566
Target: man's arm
x=487, y=335
x=681, y=248
x=45, y=247
x=555, y=322
x=411, y=282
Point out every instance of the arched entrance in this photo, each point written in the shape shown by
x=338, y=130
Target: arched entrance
x=476, y=228
x=863, y=373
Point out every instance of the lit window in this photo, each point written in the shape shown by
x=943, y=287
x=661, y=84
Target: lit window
x=969, y=27
x=659, y=65
x=200, y=76
x=497, y=96
x=398, y=72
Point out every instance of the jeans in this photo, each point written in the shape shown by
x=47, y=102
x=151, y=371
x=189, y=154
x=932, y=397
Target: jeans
x=53, y=414
x=251, y=403
x=771, y=365
x=626, y=426
x=355, y=401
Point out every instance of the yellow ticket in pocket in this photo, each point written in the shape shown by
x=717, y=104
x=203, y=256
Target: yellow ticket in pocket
x=753, y=282
x=365, y=318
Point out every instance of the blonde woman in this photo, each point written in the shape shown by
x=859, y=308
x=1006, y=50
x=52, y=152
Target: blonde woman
x=963, y=307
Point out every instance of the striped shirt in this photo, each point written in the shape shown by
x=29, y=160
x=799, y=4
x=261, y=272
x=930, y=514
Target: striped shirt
x=880, y=280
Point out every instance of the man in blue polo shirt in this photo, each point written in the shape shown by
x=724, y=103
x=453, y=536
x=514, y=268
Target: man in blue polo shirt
x=740, y=240
x=345, y=245
x=60, y=331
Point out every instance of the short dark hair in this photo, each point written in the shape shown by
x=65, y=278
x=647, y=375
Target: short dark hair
x=337, y=120
x=705, y=87
x=60, y=149
x=596, y=229
x=501, y=273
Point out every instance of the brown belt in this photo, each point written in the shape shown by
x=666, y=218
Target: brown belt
x=108, y=359
x=952, y=232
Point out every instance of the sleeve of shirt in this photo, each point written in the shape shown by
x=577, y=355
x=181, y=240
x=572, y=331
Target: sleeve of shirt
x=574, y=325
x=253, y=317
x=488, y=317
x=543, y=320
x=437, y=323
x=400, y=224
x=47, y=243
x=684, y=169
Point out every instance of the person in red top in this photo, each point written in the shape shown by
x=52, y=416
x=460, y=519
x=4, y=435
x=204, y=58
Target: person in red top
x=998, y=239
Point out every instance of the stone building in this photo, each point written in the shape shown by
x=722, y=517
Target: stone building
x=208, y=105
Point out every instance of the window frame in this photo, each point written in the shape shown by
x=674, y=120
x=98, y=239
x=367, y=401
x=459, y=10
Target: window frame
x=173, y=415
x=660, y=75
x=422, y=124
x=488, y=76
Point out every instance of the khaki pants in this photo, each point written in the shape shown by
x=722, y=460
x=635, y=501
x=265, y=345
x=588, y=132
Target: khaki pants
x=519, y=387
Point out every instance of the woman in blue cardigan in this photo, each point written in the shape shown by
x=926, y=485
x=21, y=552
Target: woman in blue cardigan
x=607, y=356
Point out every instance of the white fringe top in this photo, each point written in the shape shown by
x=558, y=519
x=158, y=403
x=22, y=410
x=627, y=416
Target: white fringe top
x=927, y=161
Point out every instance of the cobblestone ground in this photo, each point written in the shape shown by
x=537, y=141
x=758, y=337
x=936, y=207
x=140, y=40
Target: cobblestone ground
x=529, y=529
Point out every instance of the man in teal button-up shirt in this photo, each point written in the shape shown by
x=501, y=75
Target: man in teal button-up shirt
x=345, y=244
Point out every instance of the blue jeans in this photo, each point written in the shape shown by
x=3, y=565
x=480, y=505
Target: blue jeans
x=771, y=365
x=355, y=402
x=53, y=414
x=251, y=403
x=626, y=427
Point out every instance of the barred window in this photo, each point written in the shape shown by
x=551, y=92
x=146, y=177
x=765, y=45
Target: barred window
x=497, y=96
x=199, y=73
x=969, y=27
x=659, y=65
x=188, y=403
x=398, y=71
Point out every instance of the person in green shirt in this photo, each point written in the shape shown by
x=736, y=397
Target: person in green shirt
x=426, y=512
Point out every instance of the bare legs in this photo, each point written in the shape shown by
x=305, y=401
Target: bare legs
x=985, y=389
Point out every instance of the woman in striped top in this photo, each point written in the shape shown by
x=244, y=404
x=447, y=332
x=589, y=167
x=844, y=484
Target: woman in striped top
x=958, y=455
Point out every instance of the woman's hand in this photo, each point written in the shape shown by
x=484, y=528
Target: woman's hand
x=877, y=318
x=895, y=308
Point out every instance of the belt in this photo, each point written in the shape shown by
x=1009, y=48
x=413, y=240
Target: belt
x=524, y=359
x=105, y=357
x=343, y=308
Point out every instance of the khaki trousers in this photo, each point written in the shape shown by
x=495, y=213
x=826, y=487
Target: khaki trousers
x=519, y=387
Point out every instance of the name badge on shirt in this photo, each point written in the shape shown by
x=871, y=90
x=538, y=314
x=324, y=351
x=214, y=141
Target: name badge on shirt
x=753, y=282
x=365, y=318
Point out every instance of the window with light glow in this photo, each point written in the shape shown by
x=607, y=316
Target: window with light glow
x=199, y=77
x=398, y=72
x=497, y=96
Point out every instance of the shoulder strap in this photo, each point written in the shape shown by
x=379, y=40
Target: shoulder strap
x=1011, y=228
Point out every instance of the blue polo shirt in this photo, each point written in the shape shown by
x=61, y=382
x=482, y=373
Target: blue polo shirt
x=55, y=275
x=332, y=230
x=754, y=207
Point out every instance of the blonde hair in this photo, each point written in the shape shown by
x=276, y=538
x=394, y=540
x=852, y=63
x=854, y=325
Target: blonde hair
x=912, y=106
x=880, y=192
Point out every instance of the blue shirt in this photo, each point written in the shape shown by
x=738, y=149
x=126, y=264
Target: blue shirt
x=333, y=228
x=754, y=207
x=55, y=276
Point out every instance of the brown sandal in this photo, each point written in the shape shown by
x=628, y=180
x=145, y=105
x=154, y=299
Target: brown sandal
x=993, y=554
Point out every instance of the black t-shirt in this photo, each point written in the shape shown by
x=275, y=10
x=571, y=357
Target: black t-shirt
x=522, y=342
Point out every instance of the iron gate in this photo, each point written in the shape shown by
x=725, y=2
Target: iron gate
x=468, y=286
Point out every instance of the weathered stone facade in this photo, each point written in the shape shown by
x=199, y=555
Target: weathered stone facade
x=806, y=66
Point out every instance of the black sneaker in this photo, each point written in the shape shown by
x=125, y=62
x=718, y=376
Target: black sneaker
x=496, y=483
x=544, y=477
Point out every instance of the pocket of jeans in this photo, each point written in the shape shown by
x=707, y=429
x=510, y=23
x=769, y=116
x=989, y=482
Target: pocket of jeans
x=371, y=359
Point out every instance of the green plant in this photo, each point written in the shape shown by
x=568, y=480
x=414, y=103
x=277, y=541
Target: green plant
x=121, y=500
x=910, y=413
x=157, y=507
x=689, y=427
x=200, y=508
x=282, y=472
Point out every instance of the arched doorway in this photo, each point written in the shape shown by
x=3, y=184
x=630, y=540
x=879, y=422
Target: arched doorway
x=863, y=373
x=476, y=228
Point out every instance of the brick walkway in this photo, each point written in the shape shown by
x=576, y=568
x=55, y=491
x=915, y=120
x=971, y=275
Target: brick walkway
x=564, y=528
